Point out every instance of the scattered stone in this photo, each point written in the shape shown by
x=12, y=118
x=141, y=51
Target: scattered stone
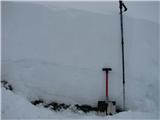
x=59, y=106
x=119, y=109
x=74, y=108
x=6, y=85
x=64, y=106
x=36, y=102
x=56, y=106
x=94, y=108
x=85, y=108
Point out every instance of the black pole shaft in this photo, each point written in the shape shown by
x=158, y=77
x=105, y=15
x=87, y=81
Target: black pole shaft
x=122, y=43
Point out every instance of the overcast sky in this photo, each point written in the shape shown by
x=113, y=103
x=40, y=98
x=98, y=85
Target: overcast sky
x=143, y=10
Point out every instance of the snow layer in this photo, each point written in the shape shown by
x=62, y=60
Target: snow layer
x=58, y=55
x=16, y=107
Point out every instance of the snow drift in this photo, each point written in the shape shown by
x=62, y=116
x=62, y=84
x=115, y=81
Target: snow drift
x=12, y=105
x=58, y=54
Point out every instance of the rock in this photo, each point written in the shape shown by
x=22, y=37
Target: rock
x=85, y=108
x=6, y=85
x=36, y=102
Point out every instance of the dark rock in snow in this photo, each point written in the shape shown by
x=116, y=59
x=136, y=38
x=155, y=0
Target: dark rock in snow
x=64, y=106
x=118, y=109
x=94, y=109
x=56, y=106
x=6, y=85
x=85, y=108
x=36, y=102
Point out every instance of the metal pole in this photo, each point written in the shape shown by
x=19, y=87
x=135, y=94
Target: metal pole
x=121, y=5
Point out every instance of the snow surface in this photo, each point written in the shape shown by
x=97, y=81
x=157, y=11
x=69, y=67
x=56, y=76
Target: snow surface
x=16, y=107
x=57, y=54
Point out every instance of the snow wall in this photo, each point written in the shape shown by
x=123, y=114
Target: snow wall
x=58, y=54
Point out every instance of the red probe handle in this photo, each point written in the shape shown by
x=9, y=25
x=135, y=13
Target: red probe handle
x=107, y=70
x=106, y=84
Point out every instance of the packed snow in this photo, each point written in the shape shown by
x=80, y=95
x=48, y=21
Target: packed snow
x=16, y=107
x=58, y=54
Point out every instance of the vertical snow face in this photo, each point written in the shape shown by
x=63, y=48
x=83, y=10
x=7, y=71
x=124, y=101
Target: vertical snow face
x=58, y=55
x=142, y=63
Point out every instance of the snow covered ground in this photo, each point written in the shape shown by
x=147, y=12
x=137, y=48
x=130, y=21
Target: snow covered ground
x=16, y=107
x=58, y=53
